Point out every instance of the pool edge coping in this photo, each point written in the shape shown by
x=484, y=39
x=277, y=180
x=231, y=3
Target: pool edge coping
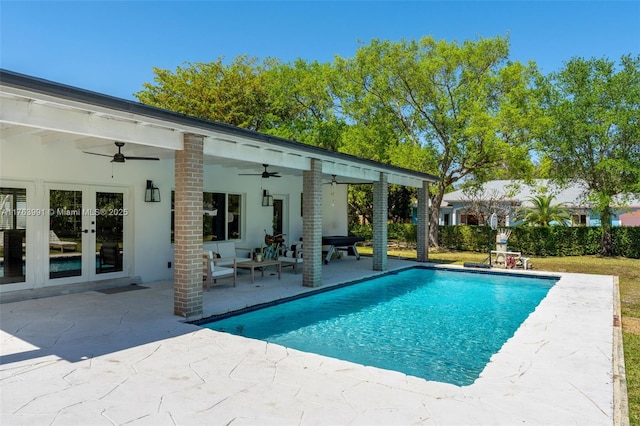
x=620, y=391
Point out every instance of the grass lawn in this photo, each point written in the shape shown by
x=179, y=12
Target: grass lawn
x=628, y=271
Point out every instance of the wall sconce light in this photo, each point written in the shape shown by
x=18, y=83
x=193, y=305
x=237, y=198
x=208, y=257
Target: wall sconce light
x=152, y=193
x=267, y=200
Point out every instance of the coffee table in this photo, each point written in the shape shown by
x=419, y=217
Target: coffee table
x=253, y=265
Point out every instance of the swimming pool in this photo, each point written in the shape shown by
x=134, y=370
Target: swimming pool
x=436, y=324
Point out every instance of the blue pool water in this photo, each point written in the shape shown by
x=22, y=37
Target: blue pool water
x=61, y=264
x=436, y=324
x=57, y=264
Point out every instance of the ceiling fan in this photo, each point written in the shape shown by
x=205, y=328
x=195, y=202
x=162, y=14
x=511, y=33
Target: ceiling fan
x=334, y=182
x=266, y=174
x=119, y=157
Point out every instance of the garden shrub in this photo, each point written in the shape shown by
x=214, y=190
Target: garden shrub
x=365, y=231
x=530, y=240
x=626, y=241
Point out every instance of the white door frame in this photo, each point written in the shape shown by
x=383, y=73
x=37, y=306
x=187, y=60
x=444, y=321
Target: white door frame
x=89, y=214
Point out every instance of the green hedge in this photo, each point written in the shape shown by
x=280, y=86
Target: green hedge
x=556, y=240
x=574, y=241
x=535, y=241
x=405, y=232
x=365, y=231
x=626, y=241
x=467, y=238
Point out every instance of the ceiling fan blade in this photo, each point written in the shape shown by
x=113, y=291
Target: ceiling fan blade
x=95, y=153
x=265, y=174
x=141, y=158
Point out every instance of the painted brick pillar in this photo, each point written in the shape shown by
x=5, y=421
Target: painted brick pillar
x=312, y=224
x=380, y=214
x=187, y=275
x=423, y=222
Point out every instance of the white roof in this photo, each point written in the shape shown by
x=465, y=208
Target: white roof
x=571, y=195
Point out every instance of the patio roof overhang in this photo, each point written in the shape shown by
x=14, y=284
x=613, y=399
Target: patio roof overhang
x=94, y=121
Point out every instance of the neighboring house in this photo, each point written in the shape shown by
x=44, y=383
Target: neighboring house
x=468, y=207
x=193, y=182
x=630, y=218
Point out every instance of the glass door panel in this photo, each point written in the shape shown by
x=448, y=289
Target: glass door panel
x=87, y=233
x=109, y=246
x=13, y=228
x=65, y=233
x=277, y=217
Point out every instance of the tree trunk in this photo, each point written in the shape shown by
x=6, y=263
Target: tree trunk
x=434, y=218
x=606, y=243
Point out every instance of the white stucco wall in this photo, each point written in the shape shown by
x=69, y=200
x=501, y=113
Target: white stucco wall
x=334, y=210
x=45, y=165
x=27, y=161
x=258, y=218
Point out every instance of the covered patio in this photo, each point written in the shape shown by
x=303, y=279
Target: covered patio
x=48, y=130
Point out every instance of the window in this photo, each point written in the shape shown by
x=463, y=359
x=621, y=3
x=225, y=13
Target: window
x=579, y=220
x=446, y=219
x=221, y=216
x=213, y=216
x=13, y=228
x=233, y=217
x=468, y=219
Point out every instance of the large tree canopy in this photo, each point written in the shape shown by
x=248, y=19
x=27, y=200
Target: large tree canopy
x=291, y=101
x=235, y=93
x=462, y=109
x=594, y=130
x=459, y=111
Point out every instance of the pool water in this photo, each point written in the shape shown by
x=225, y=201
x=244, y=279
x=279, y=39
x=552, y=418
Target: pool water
x=59, y=265
x=440, y=325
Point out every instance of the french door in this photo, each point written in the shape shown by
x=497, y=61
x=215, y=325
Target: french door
x=280, y=218
x=88, y=229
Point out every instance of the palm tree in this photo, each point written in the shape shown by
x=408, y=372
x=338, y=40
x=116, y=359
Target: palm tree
x=543, y=213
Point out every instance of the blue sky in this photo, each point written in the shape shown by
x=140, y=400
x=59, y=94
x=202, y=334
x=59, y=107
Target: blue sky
x=111, y=47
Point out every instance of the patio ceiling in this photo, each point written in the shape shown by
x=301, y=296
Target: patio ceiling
x=93, y=122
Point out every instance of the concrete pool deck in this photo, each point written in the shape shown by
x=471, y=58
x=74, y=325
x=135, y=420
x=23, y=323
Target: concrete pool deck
x=91, y=359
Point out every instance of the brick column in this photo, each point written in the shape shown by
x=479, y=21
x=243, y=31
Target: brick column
x=312, y=225
x=187, y=276
x=423, y=222
x=380, y=213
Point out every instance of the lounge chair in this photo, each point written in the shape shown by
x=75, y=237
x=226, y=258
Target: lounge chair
x=55, y=243
x=211, y=271
x=227, y=250
x=293, y=256
x=110, y=258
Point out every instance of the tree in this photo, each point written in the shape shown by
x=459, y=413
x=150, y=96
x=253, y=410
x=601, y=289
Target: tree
x=594, y=130
x=458, y=111
x=291, y=101
x=360, y=203
x=234, y=93
x=300, y=93
x=543, y=213
x=462, y=105
x=482, y=203
x=399, y=202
